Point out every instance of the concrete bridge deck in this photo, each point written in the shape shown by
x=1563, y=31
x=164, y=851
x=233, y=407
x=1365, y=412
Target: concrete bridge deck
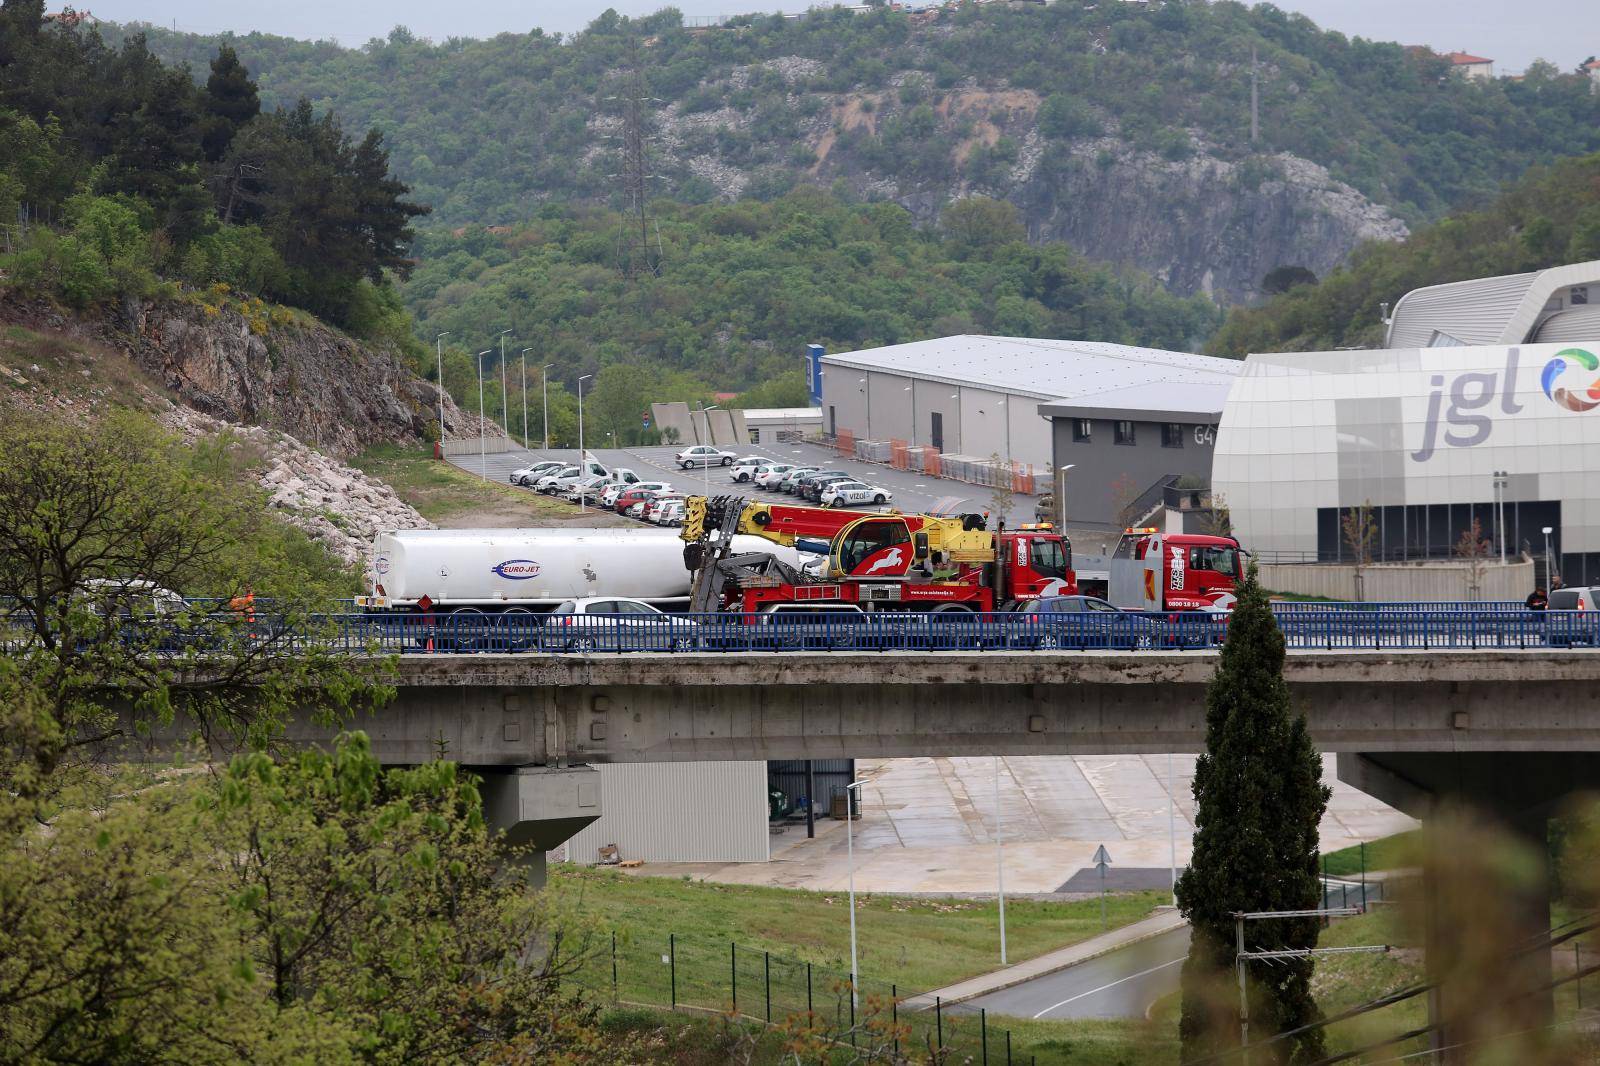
x=510, y=710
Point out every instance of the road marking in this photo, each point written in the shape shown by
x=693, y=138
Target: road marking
x=1113, y=984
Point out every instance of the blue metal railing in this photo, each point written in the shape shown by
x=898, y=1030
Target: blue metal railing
x=1304, y=626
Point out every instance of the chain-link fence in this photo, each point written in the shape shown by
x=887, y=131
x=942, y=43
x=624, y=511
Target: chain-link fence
x=725, y=977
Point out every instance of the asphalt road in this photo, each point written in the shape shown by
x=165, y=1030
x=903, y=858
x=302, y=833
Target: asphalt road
x=913, y=492
x=1121, y=984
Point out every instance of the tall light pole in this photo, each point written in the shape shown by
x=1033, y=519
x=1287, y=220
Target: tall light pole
x=1501, y=480
x=582, y=469
x=866, y=390
x=850, y=848
x=525, y=352
x=483, y=443
x=544, y=387
x=1549, y=566
x=1172, y=829
x=706, y=466
x=505, y=397
x=1000, y=858
x=438, y=343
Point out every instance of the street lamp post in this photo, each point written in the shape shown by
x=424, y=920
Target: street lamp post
x=1549, y=564
x=866, y=389
x=1501, y=480
x=483, y=443
x=1172, y=828
x=582, y=468
x=525, y=352
x=438, y=343
x=1000, y=858
x=706, y=466
x=850, y=848
x=544, y=387
x=505, y=396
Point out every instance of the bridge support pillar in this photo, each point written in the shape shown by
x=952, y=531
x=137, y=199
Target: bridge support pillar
x=539, y=807
x=1482, y=912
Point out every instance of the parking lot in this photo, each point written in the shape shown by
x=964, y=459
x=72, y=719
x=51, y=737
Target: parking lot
x=913, y=492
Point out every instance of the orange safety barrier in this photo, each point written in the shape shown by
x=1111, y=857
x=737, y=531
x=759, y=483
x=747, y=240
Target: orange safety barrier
x=930, y=462
x=899, y=455
x=845, y=442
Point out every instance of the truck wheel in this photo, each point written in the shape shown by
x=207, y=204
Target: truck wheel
x=469, y=630
x=519, y=629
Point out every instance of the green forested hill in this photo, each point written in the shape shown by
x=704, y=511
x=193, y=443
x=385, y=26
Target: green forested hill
x=1550, y=217
x=488, y=128
x=727, y=295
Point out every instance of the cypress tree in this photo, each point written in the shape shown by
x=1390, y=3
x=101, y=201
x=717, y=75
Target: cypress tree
x=1258, y=798
x=230, y=101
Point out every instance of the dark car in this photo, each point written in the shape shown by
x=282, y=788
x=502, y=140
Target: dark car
x=805, y=482
x=812, y=488
x=1075, y=622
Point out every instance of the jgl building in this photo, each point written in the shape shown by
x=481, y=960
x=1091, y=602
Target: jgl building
x=1434, y=436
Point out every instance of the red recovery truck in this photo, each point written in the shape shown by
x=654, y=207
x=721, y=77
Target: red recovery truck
x=1156, y=571
x=878, y=560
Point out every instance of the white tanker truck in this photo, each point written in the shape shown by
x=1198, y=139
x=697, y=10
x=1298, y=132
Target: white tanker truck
x=532, y=570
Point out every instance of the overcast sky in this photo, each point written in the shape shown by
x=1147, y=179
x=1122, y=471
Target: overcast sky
x=1512, y=34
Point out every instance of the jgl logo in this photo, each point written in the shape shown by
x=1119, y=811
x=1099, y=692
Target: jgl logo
x=1468, y=394
x=1584, y=397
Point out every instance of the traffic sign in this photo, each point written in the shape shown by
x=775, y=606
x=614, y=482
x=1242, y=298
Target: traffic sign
x=1101, y=856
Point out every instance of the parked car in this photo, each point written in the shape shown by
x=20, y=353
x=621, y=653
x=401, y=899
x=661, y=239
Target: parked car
x=636, y=495
x=569, y=475
x=544, y=482
x=1580, y=627
x=670, y=513
x=745, y=469
x=614, y=496
x=812, y=489
x=653, y=509
x=616, y=623
x=791, y=481
x=528, y=474
x=704, y=455
x=798, y=626
x=771, y=476
x=1044, y=509
x=851, y=493
x=589, y=489
x=1076, y=622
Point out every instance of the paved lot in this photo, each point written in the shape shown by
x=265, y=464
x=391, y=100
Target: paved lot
x=912, y=492
x=928, y=825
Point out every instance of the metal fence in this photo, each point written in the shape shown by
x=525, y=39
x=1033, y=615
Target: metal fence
x=725, y=977
x=1305, y=627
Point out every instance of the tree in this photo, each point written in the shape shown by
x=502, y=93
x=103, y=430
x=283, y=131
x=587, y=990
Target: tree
x=1282, y=279
x=1258, y=799
x=102, y=518
x=980, y=224
x=1473, y=549
x=1360, y=531
x=230, y=101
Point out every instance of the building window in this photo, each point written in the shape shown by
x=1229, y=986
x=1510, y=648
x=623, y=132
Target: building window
x=1081, y=428
x=1579, y=294
x=1171, y=435
x=1124, y=432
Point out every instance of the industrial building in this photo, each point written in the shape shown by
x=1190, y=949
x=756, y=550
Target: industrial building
x=1111, y=415
x=1482, y=407
x=1434, y=438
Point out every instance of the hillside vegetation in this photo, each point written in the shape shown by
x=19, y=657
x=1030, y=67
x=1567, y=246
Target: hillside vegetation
x=738, y=290
x=119, y=173
x=1550, y=217
x=1039, y=105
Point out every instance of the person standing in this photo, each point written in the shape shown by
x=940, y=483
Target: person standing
x=1537, y=600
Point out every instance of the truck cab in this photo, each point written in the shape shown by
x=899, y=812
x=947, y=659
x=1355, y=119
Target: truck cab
x=1156, y=571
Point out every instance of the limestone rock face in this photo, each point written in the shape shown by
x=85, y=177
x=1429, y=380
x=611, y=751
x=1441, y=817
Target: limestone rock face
x=303, y=378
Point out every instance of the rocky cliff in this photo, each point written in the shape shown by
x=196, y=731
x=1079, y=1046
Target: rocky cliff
x=239, y=363
x=1199, y=217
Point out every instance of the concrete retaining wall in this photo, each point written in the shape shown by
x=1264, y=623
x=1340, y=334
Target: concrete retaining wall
x=676, y=416
x=1403, y=582
x=457, y=446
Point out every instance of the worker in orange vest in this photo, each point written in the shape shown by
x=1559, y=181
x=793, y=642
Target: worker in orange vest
x=244, y=605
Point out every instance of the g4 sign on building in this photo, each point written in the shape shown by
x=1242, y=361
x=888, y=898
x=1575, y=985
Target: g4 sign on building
x=1423, y=434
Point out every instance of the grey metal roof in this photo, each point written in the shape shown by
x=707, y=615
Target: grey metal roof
x=1155, y=402
x=1498, y=310
x=1059, y=370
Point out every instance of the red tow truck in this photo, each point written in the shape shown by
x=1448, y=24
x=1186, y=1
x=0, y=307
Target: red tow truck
x=876, y=560
x=1156, y=571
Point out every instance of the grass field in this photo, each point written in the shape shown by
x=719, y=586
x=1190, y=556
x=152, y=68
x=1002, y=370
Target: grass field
x=450, y=496
x=1386, y=853
x=913, y=943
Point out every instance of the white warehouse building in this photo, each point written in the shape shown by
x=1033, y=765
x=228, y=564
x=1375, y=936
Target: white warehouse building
x=979, y=396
